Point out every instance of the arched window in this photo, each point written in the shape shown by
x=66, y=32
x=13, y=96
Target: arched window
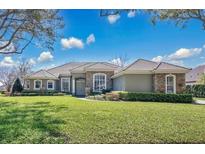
x=99, y=82
x=170, y=85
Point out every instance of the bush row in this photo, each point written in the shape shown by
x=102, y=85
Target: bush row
x=38, y=93
x=196, y=90
x=156, y=97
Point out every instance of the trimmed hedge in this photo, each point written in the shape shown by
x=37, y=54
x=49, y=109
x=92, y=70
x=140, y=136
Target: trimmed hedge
x=156, y=97
x=196, y=90
x=39, y=93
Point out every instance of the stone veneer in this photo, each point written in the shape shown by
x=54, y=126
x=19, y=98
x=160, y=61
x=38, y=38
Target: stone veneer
x=89, y=79
x=159, y=82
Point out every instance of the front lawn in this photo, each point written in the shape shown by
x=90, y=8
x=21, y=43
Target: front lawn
x=65, y=119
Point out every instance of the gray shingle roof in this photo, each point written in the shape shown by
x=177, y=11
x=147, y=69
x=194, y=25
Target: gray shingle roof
x=142, y=64
x=42, y=74
x=66, y=69
x=163, y=66
x=195, y=74
x=146, y=66
x=99, y=66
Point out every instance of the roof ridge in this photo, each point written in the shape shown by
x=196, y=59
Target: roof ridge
x=50, y=73
x=147, y=60
x=157, y=66
x=80, y=66
x=130, y=65
x=59, y=66
x=107, y=63
x=92, y=64
x=34, y=72
x=175, y=65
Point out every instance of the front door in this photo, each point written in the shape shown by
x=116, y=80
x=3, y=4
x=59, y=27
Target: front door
x=80, y=87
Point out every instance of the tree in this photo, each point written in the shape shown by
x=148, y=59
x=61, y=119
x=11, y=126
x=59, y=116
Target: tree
x=179, y=16
x=20, y=28
x=17, y=86
x=7, y=76
x=23, y=68
x=120, y=60
x=202, y=79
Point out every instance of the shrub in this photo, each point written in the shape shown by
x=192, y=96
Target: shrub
x=17, y=87
x=156, y=97
x=104, y=91
x=59, y=94
x=196, y=90
x=112, y=96
x=97, y=97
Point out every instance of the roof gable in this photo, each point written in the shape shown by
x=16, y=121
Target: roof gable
x=141, y=64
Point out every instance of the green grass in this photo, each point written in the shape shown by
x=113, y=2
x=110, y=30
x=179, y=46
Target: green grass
x=64, y=119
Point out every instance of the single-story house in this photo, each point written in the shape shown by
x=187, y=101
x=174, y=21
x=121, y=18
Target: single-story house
x=82, y=78
x=193, y=76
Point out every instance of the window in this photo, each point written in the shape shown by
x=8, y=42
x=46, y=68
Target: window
x=65, y=84
x=27, y=84
x=99, y=82
x=37, y=84
x=50, y=85
x=170, y=84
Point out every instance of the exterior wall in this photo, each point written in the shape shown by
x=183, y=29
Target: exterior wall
x=159, y=82
x=138, y=82
x=89, y=79
x=119, y=83
x=44, y=84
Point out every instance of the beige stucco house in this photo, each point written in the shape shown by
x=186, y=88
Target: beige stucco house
x=82, y=78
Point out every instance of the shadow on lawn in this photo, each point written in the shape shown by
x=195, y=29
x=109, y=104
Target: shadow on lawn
x=31, y=123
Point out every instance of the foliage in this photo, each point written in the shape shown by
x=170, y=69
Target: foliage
x=39, y=93
x=65, y=119
x=17, y=86
x=104, y=91
x=197, y=90
x=7, y=76
x=156, y=97
x=20, y=28
x=112, y=97
x=179, y=16
x=201, y=79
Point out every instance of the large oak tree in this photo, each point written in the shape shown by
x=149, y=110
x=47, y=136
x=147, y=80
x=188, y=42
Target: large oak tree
x=20, y=28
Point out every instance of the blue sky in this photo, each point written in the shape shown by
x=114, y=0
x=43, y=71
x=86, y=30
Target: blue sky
x=134, y=37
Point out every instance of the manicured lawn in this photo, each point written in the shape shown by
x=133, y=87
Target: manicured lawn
x=64, y=119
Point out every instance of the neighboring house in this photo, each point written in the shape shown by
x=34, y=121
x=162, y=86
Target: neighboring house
x=194, y=75
x=81, y=78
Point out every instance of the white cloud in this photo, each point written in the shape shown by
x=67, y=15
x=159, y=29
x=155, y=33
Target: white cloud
x=131, y=14
x=184, y=53
x=178, y=56
x=113, y=18
x=45, y=56
x=31, y=61
x=157, y=59
x=72, y=42
x=90, y=39
x=7, y=62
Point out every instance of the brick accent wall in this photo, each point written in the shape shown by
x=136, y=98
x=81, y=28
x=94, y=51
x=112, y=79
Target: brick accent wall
x=89, y=79
x=159, y=82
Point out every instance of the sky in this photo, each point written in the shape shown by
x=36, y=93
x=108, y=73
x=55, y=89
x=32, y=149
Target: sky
x=89, y=37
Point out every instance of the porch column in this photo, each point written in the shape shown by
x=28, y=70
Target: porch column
x=73, y=85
